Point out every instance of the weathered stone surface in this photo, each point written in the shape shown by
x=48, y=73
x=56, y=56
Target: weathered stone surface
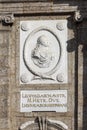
x=4, y=124
x=4, y=90
x=3, y=107
x=10, y=116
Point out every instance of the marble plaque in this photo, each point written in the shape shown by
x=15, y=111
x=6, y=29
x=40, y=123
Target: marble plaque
x=43, y=51
x=43, y=100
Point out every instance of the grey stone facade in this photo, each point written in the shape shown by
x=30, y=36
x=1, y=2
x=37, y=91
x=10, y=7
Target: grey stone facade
x=11, y=13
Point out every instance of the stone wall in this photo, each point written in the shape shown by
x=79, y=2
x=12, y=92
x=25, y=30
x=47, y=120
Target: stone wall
x=11, y=13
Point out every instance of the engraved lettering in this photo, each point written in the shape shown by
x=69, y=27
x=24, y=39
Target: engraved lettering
x=55, y=100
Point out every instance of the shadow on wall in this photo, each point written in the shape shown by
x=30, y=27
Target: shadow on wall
x=80, y=32
x=72, y=46
x=83, y=40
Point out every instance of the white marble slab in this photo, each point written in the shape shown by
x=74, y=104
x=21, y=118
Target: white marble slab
x=43, y=52
x=43, y=100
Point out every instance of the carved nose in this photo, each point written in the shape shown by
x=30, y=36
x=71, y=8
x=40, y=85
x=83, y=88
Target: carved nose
x=36, y=55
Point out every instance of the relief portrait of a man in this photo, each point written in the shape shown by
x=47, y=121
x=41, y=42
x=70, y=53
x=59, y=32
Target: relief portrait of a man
x=42, y=55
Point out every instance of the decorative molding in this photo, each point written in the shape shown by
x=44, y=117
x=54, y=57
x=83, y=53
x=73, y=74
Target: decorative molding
x=7, y=19
x=11, y=1
x=43, y=124
x=78, y=16
x=43, y=51
x=39, y=8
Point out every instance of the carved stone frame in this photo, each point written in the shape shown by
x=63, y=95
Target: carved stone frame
x=8, y=19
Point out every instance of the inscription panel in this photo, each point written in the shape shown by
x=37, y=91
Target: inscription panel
x=38, y=100
x=43, y=51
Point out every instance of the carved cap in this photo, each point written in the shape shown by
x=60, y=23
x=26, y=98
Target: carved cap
x=43, y=41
